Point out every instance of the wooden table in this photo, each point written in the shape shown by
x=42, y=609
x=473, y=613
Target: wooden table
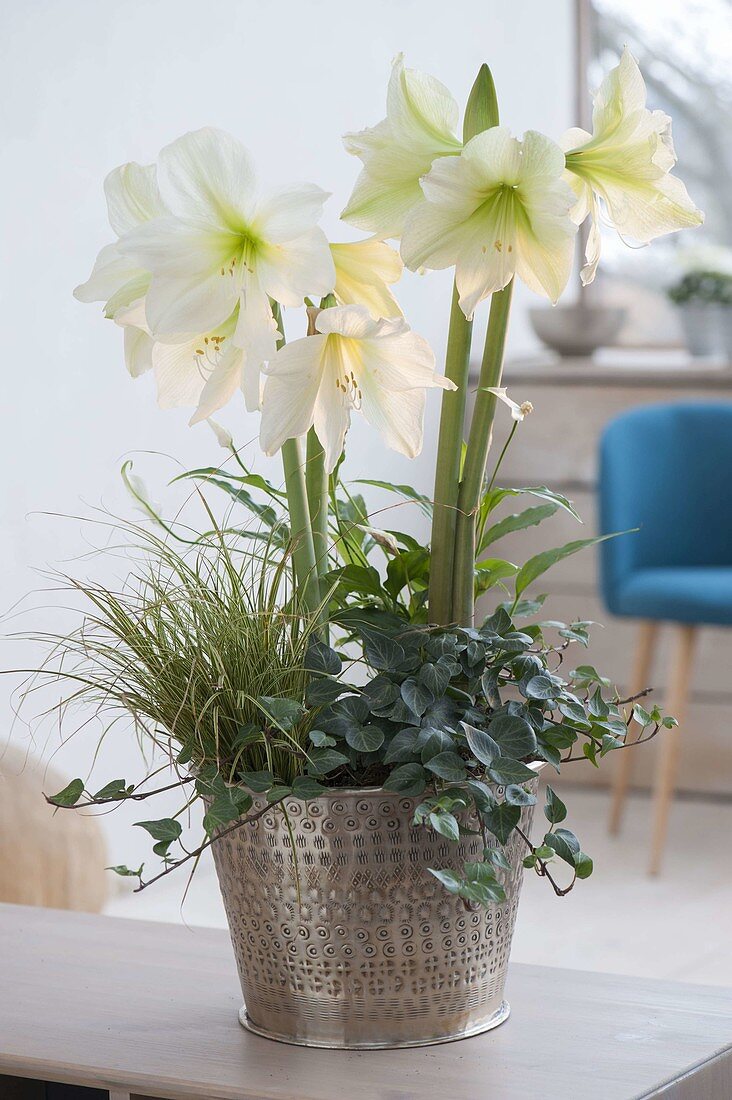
x=149, y=1010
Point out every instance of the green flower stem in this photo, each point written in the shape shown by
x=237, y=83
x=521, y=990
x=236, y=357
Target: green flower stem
x=316, y=480
x=476, y=457
x=481, y=112
x=303, y=548
x=447, y=472
x=299, y=523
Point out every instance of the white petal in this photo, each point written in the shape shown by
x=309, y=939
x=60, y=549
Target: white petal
x=298, y=360
x=400, y=150
x=134, y=315
x=132, y=196
x=542, y=160
x=369, y=141
x=138, y=351
x=583, y=194
x=574, y=138
x=398, y=416
x=664, y=156
x=518, y=412
x=186, y=306
x=256, y=329
x=492, y=158
x=480, y=271
x=290, y=391
x=111, y=271
x=368, y=261
x=454, y=185
x=380, y=204
x=221, y=386
x=256, y=333
x=433, y=237
x=297, y=268
x=487, y=261
x=290, y=212
x=354, y=322
x=208, y=173
x=224, y=438
x=544, y=254
x=419, y=107
x=363, y=271
x=622, y=92
x=404, y=361
x=332, y=417
x=594, y=243
x=171, y=246
x=545, y=234
x=644, y=212
x=178, y=374
x=252, y=384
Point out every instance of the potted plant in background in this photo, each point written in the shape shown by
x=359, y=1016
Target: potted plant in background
x=366, y=754
x=703, y=297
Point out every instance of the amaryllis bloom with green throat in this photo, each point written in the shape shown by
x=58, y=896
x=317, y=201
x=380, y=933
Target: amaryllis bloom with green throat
x=626, y=163
x=352, y=362
x=499, y=209
x=226, y=247
x=420, y=124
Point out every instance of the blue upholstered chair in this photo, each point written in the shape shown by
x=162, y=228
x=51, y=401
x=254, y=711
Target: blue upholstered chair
x=667, y=469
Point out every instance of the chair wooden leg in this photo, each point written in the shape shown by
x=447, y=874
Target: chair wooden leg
x=664, y=780
x=647, y=635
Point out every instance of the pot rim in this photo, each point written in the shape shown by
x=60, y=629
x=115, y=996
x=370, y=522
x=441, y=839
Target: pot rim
x=536, y=766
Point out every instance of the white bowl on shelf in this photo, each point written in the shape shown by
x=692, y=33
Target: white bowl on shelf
x=577, y=330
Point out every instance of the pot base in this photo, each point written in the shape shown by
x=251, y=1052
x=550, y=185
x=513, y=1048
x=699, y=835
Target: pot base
x=498, y=1017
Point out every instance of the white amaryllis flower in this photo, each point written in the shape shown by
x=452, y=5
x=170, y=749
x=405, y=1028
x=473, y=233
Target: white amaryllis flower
x=626, y=161
x=203, y=371
x=421, y=119
x=225, y=246
x=518, y=412
x=133, y=198
x=499, y=209
x=364, y=270
x=379, y=368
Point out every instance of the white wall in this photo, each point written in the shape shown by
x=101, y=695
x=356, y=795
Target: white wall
x=85, y=86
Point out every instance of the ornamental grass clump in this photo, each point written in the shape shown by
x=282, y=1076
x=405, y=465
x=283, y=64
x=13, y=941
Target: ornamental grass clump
x=204, y=649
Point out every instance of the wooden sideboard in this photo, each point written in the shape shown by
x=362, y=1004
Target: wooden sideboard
x=557, y=446
x=129, y=1010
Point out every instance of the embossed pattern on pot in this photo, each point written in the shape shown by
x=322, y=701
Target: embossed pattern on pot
x=362, y=947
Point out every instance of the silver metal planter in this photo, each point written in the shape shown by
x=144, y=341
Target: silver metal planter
x=367, y=949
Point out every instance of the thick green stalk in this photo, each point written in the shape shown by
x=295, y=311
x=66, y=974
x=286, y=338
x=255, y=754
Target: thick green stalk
x=447, y=470
x=476, y=456
x=303, y=550
x=481, y=112
x=316, y=478
x=316, y=481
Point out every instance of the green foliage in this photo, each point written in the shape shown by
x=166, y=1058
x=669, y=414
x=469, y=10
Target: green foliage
x=539, y=564
x=70, y=795
x=210, y=653
x=710, y=287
